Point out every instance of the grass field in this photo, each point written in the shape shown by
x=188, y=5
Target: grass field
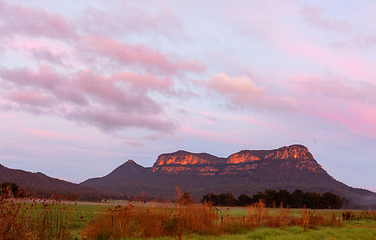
x=119, y=220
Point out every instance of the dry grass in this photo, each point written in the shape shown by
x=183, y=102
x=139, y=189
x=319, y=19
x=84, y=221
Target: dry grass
x=52, y=219
x=179, y=221
x=32, y=219
x=145, y=222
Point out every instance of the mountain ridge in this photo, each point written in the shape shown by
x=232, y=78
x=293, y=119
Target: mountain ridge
x=247, y=171
x=41, y=185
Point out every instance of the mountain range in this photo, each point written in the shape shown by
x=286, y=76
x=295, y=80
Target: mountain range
x=40, y=185
x=248, y=171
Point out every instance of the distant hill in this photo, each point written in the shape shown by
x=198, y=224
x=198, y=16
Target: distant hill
x=247, y=171
x=41, y=185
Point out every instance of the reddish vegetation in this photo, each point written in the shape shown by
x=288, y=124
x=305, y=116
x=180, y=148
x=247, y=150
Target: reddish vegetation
x=179, y=221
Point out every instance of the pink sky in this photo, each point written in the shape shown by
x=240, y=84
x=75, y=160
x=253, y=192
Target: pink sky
x=85, y=86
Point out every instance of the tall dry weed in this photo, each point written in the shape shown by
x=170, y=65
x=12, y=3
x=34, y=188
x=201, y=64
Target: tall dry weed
x=29, y=219
x=145, y=222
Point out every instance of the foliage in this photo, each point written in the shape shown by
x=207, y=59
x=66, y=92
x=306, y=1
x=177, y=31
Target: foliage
x=185, y=199
x=272, y=198
x=9, y=189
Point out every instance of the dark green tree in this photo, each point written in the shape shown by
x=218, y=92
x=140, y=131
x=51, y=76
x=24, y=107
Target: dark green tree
x=257, y=197
x=333, y=201
x=226, y=199
x=283, y=197
x=297, y=199
x=270, y=197
x=244, y=200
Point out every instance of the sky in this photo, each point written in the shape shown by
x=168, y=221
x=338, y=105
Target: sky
x=87, y=85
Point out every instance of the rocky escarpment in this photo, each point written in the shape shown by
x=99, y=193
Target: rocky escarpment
x=248, y=171
x=246, y=161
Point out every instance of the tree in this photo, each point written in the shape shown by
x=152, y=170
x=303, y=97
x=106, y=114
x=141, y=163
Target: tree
x=297, y=199
x=270, y=197
x=257, y=197
x=185, y=199
x=333, y=201
x=210, y=198
x=227, y=199
x=244, y=200
x=284, y=197
x=9, y=189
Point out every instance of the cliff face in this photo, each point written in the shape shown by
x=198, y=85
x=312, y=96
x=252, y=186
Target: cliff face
x=245, y=161
x=247, y=171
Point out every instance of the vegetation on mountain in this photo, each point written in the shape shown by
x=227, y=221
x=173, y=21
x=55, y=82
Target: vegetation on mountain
x=40, y=185
x=248, y=172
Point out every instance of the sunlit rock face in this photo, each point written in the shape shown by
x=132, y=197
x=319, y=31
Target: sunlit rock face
x=297, y=152
x=246, y=161
x=179, y=158
x=242, y=157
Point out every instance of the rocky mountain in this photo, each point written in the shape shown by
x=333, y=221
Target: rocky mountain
x=247, y=171
x=40, y=185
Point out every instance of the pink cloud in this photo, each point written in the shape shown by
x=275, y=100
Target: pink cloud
x=110, y=120
x=139, y=55
x=109, y=103
x=46, y=77
x=316, y=17
x=30, y=98
x=334, y=87
x=44, y=54
x=145, y=82
x=365, y=41
x=48, y=134
x=104, y=89
x=19, y=20
x=349, y=64
x=338, y=104
x=242, y=93
x=161, y=21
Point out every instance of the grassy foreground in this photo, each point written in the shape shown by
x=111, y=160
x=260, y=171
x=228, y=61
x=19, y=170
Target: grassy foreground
x=53, y=219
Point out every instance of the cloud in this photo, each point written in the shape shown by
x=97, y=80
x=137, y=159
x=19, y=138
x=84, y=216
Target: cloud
x=46, y=77
x=44, y=54
x=335, y=87
x=131, y=20
x=112, y=120
x=30, y=98
x=110, y=103
x=242, y=93
x=17, y=20
x=316, y=17
x=137, y=55
x=365, y=41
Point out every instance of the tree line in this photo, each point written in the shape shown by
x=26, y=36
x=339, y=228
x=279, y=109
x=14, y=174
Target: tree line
x=272, y=198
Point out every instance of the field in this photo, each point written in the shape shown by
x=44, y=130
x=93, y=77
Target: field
x=55, y=219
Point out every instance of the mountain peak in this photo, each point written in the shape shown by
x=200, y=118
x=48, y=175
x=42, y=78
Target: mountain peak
x=129, y=167
x=248, y=171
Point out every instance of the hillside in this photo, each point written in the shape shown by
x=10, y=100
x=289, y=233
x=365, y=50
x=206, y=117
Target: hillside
x=247, y=171
x=41, y=185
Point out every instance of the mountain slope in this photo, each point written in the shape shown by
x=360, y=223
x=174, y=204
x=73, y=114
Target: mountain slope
x=247, y=171
x=41, y=185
